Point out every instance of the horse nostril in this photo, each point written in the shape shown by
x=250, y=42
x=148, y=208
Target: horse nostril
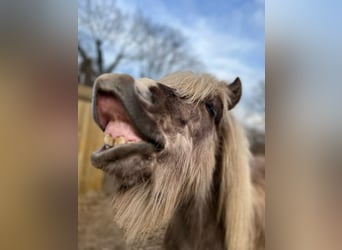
x=138, y=90
x=145, y=94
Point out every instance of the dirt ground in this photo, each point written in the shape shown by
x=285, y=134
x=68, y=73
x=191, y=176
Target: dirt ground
x=96, y=231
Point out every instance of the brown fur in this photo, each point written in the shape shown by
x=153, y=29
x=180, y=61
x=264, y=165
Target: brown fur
x=198, y=193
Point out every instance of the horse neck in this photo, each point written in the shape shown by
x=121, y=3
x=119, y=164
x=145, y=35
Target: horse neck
x=195, y=225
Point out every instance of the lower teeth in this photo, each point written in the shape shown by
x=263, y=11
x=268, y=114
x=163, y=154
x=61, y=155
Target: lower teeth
x=110, y=142
x=119, y=140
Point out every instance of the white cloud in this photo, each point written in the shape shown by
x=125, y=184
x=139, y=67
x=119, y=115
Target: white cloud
x=225, y=51
x=222, y=54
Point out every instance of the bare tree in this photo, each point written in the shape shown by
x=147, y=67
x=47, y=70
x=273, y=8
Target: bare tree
x=101, y=31
x=257, y=102
x=107, y=37
x=256, y=105
x=162, y=49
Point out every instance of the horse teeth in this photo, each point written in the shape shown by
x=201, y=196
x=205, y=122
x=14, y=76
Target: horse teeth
x=119, y=140
x=108, y=140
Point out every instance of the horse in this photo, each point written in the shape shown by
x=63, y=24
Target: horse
x=180, y=162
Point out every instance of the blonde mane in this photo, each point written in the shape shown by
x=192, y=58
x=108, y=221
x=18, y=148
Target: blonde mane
x=235, y=195
x=195, y=88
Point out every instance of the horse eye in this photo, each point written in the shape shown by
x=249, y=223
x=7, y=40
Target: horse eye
x=211, y=109
x=169, y=92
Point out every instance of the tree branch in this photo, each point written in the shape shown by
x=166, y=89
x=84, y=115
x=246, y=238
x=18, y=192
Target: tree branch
x=115, y=63
x=99, y=55
x=82, y=53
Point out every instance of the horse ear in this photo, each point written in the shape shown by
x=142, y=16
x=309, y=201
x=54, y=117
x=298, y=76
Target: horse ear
x=235, y=91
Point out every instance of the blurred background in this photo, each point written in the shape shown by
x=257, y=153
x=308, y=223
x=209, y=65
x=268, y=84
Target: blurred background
x=151, y=39
x=40, y=86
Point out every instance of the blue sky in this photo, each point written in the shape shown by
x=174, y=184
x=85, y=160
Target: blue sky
x=227, y=36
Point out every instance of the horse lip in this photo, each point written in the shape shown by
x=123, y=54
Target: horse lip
x=128, y=93
x=102, y=158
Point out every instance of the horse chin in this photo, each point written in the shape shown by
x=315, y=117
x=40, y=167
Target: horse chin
x=103, y=156
x=129, y=164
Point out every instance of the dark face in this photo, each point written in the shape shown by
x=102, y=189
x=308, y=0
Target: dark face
x=145, y=124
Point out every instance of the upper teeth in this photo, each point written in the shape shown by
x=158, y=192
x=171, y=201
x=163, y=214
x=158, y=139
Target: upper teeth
x=119, y=140
x=109, y=141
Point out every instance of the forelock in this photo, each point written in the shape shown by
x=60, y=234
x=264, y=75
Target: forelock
x=196, y=87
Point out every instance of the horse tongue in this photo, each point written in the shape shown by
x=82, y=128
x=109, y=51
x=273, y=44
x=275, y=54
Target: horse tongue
x=120, y=128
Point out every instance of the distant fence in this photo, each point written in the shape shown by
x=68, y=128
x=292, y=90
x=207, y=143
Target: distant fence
x=90, y=138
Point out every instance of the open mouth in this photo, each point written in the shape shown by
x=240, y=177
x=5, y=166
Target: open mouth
x=124, y=134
